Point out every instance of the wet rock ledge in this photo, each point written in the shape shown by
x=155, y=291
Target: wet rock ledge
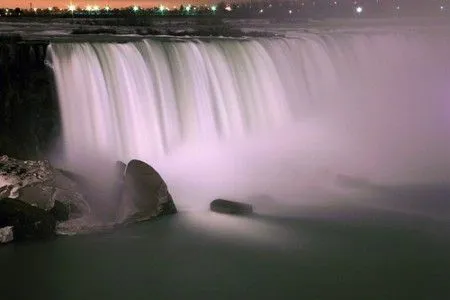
x=38, y=201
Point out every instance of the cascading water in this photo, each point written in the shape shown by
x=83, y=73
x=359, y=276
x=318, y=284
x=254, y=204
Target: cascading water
x=240, y=117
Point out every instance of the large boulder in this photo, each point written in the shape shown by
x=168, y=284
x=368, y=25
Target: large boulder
x=145, y=194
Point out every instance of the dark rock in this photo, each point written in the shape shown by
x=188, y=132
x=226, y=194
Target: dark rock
x=147, y=193
x=60, y=211
x=74, y=202
x=28, y=222
x=231, y=207
x=6, y=234
x=29, y=111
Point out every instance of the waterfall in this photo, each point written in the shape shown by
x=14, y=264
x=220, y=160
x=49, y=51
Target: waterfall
x=369, y=103
x=169, y=93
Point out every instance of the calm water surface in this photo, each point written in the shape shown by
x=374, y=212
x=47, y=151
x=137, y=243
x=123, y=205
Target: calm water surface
x=200, y=255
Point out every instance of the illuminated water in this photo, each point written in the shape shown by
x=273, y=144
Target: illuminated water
x=381, y=256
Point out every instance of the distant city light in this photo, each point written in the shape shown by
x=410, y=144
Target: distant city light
x=358, y=7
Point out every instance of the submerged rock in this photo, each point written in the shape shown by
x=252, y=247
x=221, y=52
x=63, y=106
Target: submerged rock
x=231, y=207
x=6, y=235
x=145, y=193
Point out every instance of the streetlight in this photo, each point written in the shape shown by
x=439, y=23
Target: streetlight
x=72, y=8
x=359, y=10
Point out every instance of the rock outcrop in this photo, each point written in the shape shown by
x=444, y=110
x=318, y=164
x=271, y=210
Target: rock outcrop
x=29, y=111
x=231, y=207
x=40, y=185
x=145, y=194
x=38, y=200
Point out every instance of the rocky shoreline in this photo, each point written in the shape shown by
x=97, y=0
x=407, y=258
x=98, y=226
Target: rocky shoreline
x=39, y=201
